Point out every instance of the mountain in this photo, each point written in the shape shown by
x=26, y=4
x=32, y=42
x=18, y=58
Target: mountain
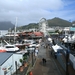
x=6, y=25
x=31, y=25
x=51, y=23
x=73, y=22
x=59, y=22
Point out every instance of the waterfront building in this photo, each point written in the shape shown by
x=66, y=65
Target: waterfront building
x=8, y=62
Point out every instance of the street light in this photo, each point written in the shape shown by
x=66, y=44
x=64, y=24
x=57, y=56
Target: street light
x=16, y=66
x=31, y=52
x=32, y=58
x=67, y=57
x=32, y=55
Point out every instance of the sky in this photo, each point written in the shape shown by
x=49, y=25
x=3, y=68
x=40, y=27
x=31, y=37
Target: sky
x=23, y=12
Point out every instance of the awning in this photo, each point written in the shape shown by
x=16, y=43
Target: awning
x=56, y=48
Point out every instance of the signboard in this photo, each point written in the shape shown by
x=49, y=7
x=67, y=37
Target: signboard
x=72, y=28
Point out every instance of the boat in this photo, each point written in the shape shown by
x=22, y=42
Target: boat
x=10, y=47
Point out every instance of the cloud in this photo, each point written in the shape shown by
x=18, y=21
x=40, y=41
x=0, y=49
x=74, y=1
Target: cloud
x=29, y=11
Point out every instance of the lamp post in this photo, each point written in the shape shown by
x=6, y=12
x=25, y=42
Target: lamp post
x=67, y=57
x=32, y=58
x=16, y=66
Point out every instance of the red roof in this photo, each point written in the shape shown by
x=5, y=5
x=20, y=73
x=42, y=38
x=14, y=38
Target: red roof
x=29, y=33
x=38, y=33
x=35, y=33
x=24, y=33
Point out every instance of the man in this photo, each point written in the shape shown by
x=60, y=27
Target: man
x=44, y=61
x=36, y=51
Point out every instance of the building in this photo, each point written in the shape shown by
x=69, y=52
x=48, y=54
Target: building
x=8, y=63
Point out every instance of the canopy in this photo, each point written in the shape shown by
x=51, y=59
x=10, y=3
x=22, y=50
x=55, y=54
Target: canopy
x=56, y=47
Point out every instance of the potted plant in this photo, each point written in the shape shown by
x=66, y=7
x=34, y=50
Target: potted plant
x=25, y=61
x=21, y=67
x=21, y=60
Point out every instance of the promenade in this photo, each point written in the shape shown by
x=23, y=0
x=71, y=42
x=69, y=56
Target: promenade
x=50, y=68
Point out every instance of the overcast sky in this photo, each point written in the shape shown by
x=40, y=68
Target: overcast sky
x=31, y=11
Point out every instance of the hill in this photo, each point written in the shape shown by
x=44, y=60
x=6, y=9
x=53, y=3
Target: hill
x=6, y=25
x=51, y=23
x=31, y=25
x=59, y=22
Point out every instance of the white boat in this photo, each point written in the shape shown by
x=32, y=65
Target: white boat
x=9, y=47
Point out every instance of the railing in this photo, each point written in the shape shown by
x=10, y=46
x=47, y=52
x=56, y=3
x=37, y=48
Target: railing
x=61, y=61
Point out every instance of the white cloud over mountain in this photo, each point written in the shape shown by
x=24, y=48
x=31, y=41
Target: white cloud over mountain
x=29, y=11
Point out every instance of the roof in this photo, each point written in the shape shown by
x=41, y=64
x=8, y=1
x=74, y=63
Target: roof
x=4, y=57
x=38, y=33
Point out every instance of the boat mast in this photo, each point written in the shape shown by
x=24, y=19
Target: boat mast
x=15, y=30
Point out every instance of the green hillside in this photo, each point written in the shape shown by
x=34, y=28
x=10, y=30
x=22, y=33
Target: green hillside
x=58, y=22
x=51, y=22
x=31, y=25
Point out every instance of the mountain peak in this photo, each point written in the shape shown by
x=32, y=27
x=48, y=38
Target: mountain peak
x=5, y=25
x=59, y=22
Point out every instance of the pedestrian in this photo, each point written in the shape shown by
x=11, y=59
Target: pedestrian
x=30, y=73
x=36, y=51
x=44, y=61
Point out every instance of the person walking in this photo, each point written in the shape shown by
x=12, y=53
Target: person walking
x=36, y=51
x=44, y=61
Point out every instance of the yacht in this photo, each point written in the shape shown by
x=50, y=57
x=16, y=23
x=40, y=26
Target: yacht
x=10, y=47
